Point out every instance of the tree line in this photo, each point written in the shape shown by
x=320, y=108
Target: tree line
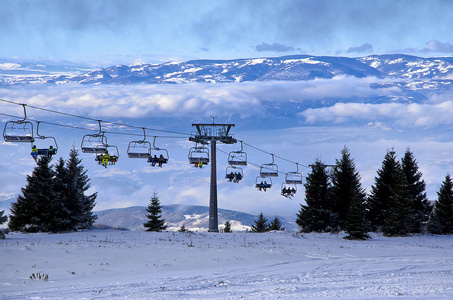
x=397, y=204
x=55, y=200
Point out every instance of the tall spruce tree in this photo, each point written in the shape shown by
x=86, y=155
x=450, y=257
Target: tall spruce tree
x=155, y=221
x=317, y=215
x=260, y=224
x=346, y=188
x=441, y=219
x=34, y=209
x=420, y=207
x=385, y=191
x=77, y=202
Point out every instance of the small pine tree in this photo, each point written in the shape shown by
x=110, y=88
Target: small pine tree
x=3, y=219
x=260, y=224
x=227, y=227
x=276, y=224
x=155, y=221
x=182, y=229
x=318, y=214
x=441, y=220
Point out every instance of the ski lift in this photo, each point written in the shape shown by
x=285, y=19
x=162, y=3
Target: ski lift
x=20, y=131
x=294, y=177
x=94, y=143
x=109, y=157
x=157, y=155
x=48, y=151
x=199, y=155
x=288, y=190
x=139, y=149
x=234, y=174
x=237, y=158
x=269, y=170
x=262, y=183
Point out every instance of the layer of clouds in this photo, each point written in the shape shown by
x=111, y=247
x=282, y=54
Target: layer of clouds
x=394, y=114
x=137, y=101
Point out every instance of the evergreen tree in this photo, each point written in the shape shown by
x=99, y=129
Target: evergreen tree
x=346, y=188
x=3, y=219
x=276, y=224
x=387, y=204
x=78, y=204
x=182, y=229
x=227, y=227
x=33, y=211
x=420, y=207
x=155, y=221
x=318, y=214
x=441, y=220
x=260, y=224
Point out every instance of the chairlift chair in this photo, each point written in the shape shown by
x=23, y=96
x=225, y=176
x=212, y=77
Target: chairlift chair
x=139, y=149
x=263, y=183
x=158, y=156
x=20, y=131
x=43, y=149
x=113, y=157
x=199, y=155
x=234, y=174
x=288, y=190
x=294, y=177
x=237, y=158
x=269, y=170
x=94, y=143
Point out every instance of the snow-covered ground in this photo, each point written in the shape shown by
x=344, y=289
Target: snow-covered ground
x=171, y=265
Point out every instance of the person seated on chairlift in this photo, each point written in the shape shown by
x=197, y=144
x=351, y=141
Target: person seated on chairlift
x=239, y=177
x=200, y=165
x=284, y=191
x=230, y=176
x=260, y=186
x=34, y=152
x=50, y=152
x=105, y=158
x=265, y=185
x=161, y=160
x=154, y=161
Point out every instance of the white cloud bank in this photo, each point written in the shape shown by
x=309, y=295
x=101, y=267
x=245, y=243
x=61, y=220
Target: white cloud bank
x=419, y=115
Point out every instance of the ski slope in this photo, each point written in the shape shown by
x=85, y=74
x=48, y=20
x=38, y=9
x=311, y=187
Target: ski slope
x=105, y=264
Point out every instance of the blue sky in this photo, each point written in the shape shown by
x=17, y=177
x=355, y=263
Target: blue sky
x=114, y=31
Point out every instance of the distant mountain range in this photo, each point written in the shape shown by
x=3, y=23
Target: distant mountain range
x=285, y=68
x=193, y=217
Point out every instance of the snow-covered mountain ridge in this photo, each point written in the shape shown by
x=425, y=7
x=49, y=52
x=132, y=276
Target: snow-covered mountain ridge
x=285, y=68
x=193, y=217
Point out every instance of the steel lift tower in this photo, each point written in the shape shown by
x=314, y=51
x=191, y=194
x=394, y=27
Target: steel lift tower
x=213, y=133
